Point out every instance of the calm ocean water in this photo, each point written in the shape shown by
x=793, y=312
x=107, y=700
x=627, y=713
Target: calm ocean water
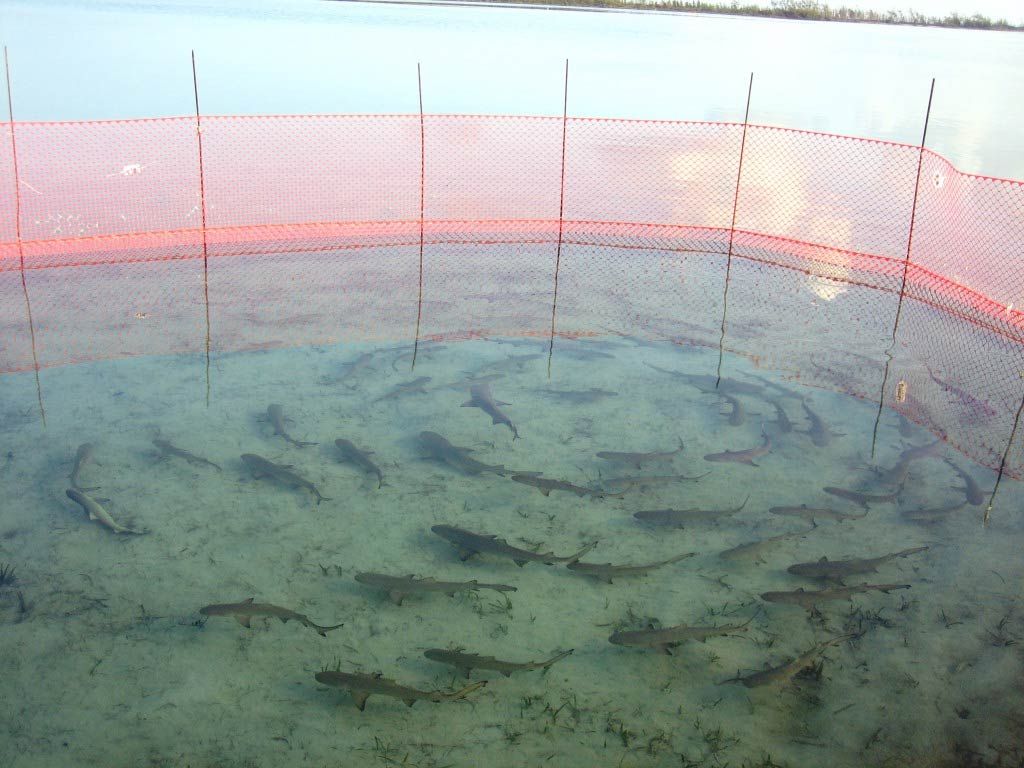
x=131, y=59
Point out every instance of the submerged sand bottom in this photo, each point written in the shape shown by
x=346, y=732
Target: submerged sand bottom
x=110, y=662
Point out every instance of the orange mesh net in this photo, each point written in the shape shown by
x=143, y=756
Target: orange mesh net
x=313, y=234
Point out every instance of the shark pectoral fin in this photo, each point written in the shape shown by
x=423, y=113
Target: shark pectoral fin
x=243, y=620
x=248, y=600
x=465, y=554
x=666, y=649
x=91, y=515
x=396, y=596
x=409, y=702
x=505, y=672
x=822, y=559
x=501, y=402
x=450, y=593
x=467, y=404
x=521, y=563
x=360, y=697
x=545, y=491
x=607, y=579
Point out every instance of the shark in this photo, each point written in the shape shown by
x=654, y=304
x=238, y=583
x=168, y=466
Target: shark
x=837, y=570
x=246, y=610
x=896, y=475
x=480, y=397
x=682, y=517
x=814, y=514
x=276, y=417
x=362, y=686
x=785, y=672
x=754, y=549
x=746, y=456
x=737, y=416
x=623, y=484
x=467, y=662
x=664, y=640
x=439, y=449
x=98, y=513
x=819, y=432
x=282, y=473
x=606, y=571
x=400, y=587
x=409, y=387
x=84, y=455
x=971, y=490
x=468, y=544
x=807, y=599
x=359, y=458
x=639, y=459
x=547, y=485
x=166, y=448
x=861, y=498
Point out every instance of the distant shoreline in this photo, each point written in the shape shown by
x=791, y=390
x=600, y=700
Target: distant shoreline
x=794, y=10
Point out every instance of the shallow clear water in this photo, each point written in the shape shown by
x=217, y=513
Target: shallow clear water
x=108, y=661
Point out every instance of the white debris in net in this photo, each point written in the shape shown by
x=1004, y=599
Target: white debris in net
x=132, y=169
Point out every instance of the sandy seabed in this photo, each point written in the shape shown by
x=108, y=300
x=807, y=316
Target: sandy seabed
x=106, y=660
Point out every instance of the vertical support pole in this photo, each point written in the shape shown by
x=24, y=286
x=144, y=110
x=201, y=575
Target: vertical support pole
x=423, y=177
x=202, y=206
x=906, y=267
x=732, y=232
x=17, y=230
x=561, y=214
x=1002, y=463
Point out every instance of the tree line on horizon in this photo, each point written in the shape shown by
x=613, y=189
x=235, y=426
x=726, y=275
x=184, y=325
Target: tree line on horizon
x=808, y=10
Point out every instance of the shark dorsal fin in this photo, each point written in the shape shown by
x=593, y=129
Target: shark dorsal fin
x=823, y=559
x=248, y=602
x=377, y=675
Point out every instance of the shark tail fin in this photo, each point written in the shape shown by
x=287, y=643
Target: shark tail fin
x=677, y=558
x=464, y=692
x=322, y=631
x=576, y=557
x=546, y=665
